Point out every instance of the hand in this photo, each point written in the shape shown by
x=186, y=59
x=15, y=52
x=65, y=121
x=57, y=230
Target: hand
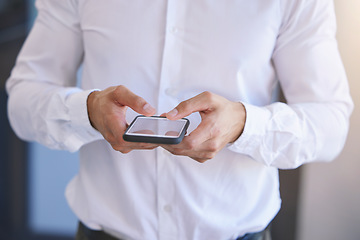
x=222, y=122
x=107, y=111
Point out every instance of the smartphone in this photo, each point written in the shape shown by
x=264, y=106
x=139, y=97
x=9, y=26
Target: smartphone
x=156, y=129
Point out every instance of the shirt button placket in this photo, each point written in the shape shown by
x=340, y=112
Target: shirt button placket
x=166, y=195
x=166, y=165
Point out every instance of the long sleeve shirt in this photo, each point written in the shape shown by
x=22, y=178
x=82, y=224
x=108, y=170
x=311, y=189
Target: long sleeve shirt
x=167, y=52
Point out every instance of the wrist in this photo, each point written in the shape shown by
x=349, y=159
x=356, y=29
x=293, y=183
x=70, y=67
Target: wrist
x=240, y=124
x=90, y=106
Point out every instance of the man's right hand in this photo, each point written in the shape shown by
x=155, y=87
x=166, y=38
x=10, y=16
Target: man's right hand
x=107, y=111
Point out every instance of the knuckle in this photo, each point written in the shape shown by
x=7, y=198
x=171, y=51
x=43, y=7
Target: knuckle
x=177, y=152
x=209, y=155
x=116, y=147
x=121, y=149
x=209, y=95
x=210, y=152
x=212, y=155
x=201, y=160
x=215, y=131
x=125, y=151
x=213, y=147
x=191, y=144
x=120, y=88
x=117, y=91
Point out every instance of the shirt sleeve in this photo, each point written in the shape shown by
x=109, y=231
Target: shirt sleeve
x=44, y=103
x=313, y=124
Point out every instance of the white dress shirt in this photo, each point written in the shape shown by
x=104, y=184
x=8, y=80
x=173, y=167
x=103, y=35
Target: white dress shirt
x=166, y=52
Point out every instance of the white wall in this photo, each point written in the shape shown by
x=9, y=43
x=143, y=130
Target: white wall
x=330, y=193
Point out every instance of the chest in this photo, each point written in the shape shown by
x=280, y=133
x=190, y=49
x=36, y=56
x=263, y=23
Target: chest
x=181, y=44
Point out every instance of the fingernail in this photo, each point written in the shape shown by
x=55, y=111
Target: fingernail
x=172, y=113
x=148, y=108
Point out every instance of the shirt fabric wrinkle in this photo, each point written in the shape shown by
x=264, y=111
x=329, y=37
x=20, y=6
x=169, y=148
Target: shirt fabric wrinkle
x=180, y=51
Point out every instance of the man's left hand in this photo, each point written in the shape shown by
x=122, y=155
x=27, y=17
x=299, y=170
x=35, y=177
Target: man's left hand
x=222, y=122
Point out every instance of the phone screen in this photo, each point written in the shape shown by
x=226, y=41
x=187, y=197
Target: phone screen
x=157, y=127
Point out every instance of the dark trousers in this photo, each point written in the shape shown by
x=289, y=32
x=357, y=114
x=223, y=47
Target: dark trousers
x=85, y=233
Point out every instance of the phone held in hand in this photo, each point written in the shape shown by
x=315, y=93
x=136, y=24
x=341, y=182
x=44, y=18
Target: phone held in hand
x=156, y=129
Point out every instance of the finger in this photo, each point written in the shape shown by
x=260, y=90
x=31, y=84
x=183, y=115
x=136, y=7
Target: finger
x=126, y=147
x=200, y=156
x=174, y=149
x=200, y=160
x=114, y=128
x=205, y=131
x=199, y=103
x=127, y=98
x=141, y=145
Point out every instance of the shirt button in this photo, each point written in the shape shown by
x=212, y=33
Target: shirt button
x=174, y=29
x=171, y=92
x=168, y=208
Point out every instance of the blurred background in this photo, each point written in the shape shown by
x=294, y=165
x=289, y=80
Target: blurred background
x=320, y=201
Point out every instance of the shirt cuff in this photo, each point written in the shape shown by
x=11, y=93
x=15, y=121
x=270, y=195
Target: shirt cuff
x=254, y=130
x=83, y=131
